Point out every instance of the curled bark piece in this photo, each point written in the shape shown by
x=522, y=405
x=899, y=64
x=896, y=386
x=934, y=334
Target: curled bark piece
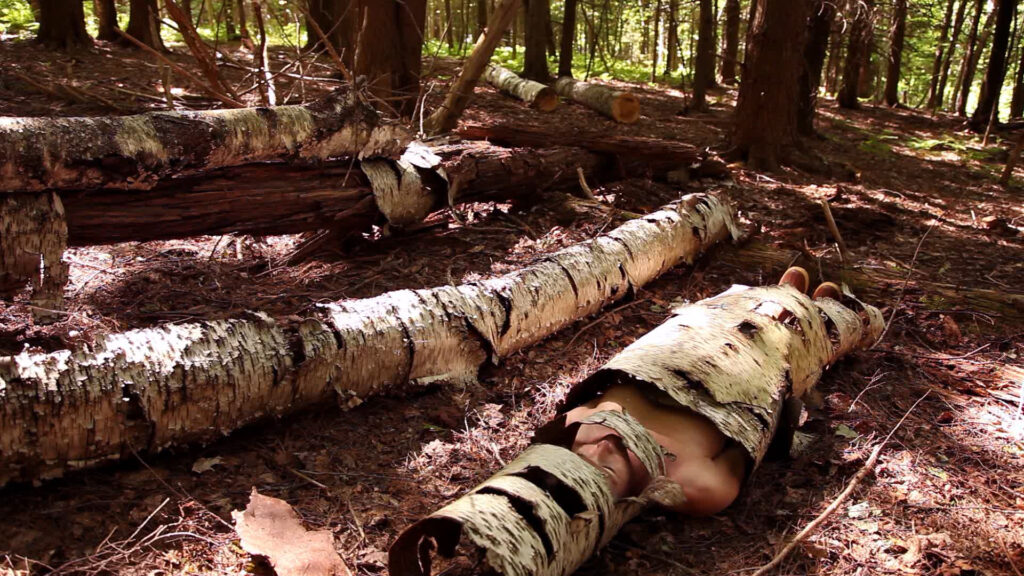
x=535, y=94
x=619, y=106
x=145, y=389
x=136, y=152
x=724, y=357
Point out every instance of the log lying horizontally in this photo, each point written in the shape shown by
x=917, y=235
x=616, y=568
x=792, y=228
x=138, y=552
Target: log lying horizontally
x=535, y=94
x=725, y=358
x=136, y=152
x=619, y=106
x=146, y=389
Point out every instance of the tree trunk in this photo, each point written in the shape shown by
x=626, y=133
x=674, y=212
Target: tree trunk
x=973, y=58
x=449, y=25
x=672, y=38
x=33, y=235
x=137, y=152
x=147, y=389
x=144, y=24
x=390, y=51
x=819, y=28
x=996, y=73
x=704, y=71
x=1017, y=101
x=940, y=46
x=965, y=64
x=106, y=20
x=954, y=37
x=732, y=41
x=856, y=54
x=535, y=59
x=656, y=45
x=766, y=109
x=481, y=16
x=339, y=21
x=619, y=106
x=746, y=367
x=243, y=25
x=447, y=116
x=62, y=24
x=568, y=37
x=537, y=95
x=896, y=37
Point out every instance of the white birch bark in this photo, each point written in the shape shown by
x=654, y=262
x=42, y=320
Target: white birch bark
x=535, y=94
x=619, y=106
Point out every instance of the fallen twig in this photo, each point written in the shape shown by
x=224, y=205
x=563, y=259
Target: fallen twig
x=843, y=254
x=587, y=192
x=860, y=475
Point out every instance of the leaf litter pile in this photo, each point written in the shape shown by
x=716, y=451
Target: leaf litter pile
x=935, y=243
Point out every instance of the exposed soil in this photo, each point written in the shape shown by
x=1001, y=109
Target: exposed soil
x=923, y=219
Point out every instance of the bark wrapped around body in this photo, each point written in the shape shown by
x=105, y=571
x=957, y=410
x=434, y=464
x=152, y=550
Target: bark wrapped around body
x=146, y=389
x=535, y=94
x=727, y=358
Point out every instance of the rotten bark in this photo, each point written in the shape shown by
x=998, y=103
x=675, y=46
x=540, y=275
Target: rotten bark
x=619, y=106
x=726, y=358
x=137, y=152
x=147, y=389
x=533, y=93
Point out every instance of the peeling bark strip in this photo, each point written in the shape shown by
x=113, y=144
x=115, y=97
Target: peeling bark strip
x=135, y=152
x=535, y=94
x=619, y=106
x=146, y=389
x=33, y=235
x=726, y=357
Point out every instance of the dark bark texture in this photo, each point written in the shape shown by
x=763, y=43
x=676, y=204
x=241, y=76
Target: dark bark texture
x=856, y=53
x=704, y=71
x=996, y=73
x=535, y=59
x=106, y=17
x=568, y=38
x=144, y=24
x=731, y=52
x=62, y=24
x=896, y=36
x=819, y=29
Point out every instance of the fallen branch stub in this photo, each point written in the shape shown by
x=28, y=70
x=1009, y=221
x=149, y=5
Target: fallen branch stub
x=725, y=358
x=136, y=152
x=535, y=94
x=146, y=389
x=619, y=106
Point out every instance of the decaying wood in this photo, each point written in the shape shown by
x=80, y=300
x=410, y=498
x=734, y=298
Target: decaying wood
x=447, y=116
x=33, y=235
x=660, y=156
x=727, y=358
x=535, y=94
x=146, y=389
x=619, y=106
x=136, y=152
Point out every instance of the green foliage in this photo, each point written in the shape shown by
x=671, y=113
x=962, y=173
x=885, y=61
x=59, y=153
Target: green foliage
x=16, y=19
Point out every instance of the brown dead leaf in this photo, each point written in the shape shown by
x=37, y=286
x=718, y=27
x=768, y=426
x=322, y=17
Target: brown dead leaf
x=269, y=527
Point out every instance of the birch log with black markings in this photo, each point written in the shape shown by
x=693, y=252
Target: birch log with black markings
x=619, y=106
x=146, y=389
x=535, y=94
x=728, y=358
x=137, y=152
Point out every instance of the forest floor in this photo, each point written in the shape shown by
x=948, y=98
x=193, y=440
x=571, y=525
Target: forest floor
x=932, y=239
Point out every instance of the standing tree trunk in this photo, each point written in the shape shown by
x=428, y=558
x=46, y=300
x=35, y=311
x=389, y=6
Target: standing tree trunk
x=1017, y=102
x=819, y=29
x=389, y=53
x=732, y=41
x=954, y=37
x=704, y=71
x=481, y=16
x=656, y=44
x=449, y=23
x=856, y=53
x=568, y=36
x=896, y=37
x=996, y=73
x=977, y=48
x=766, y=109
x=940, y=47
x=535, y=59
x=144, y=24
x=672, y=34
x=62, y=24
x=243, y=26
x=106, y=20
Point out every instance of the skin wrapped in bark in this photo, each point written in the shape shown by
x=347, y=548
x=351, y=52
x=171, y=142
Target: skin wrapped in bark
x=728, y=358
x=535, y=94
x=619, y=106
x=136, y=152
x=146, y=389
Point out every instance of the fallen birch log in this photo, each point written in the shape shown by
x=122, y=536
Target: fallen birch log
x=619, y=106
x=535, y=94
x=147, y=389
x=137, y=152
x=726, y=358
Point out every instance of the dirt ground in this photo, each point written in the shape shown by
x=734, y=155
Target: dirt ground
x=931, y=238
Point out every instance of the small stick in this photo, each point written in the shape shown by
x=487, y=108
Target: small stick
x=864, y=471
x=587, y=192
x=167, y=88
x=843, y=254
x=991, y=122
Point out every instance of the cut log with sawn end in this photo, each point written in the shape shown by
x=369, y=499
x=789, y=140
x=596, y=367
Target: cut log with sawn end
x=619, y=106
x=146, y=389
x=537, y=95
